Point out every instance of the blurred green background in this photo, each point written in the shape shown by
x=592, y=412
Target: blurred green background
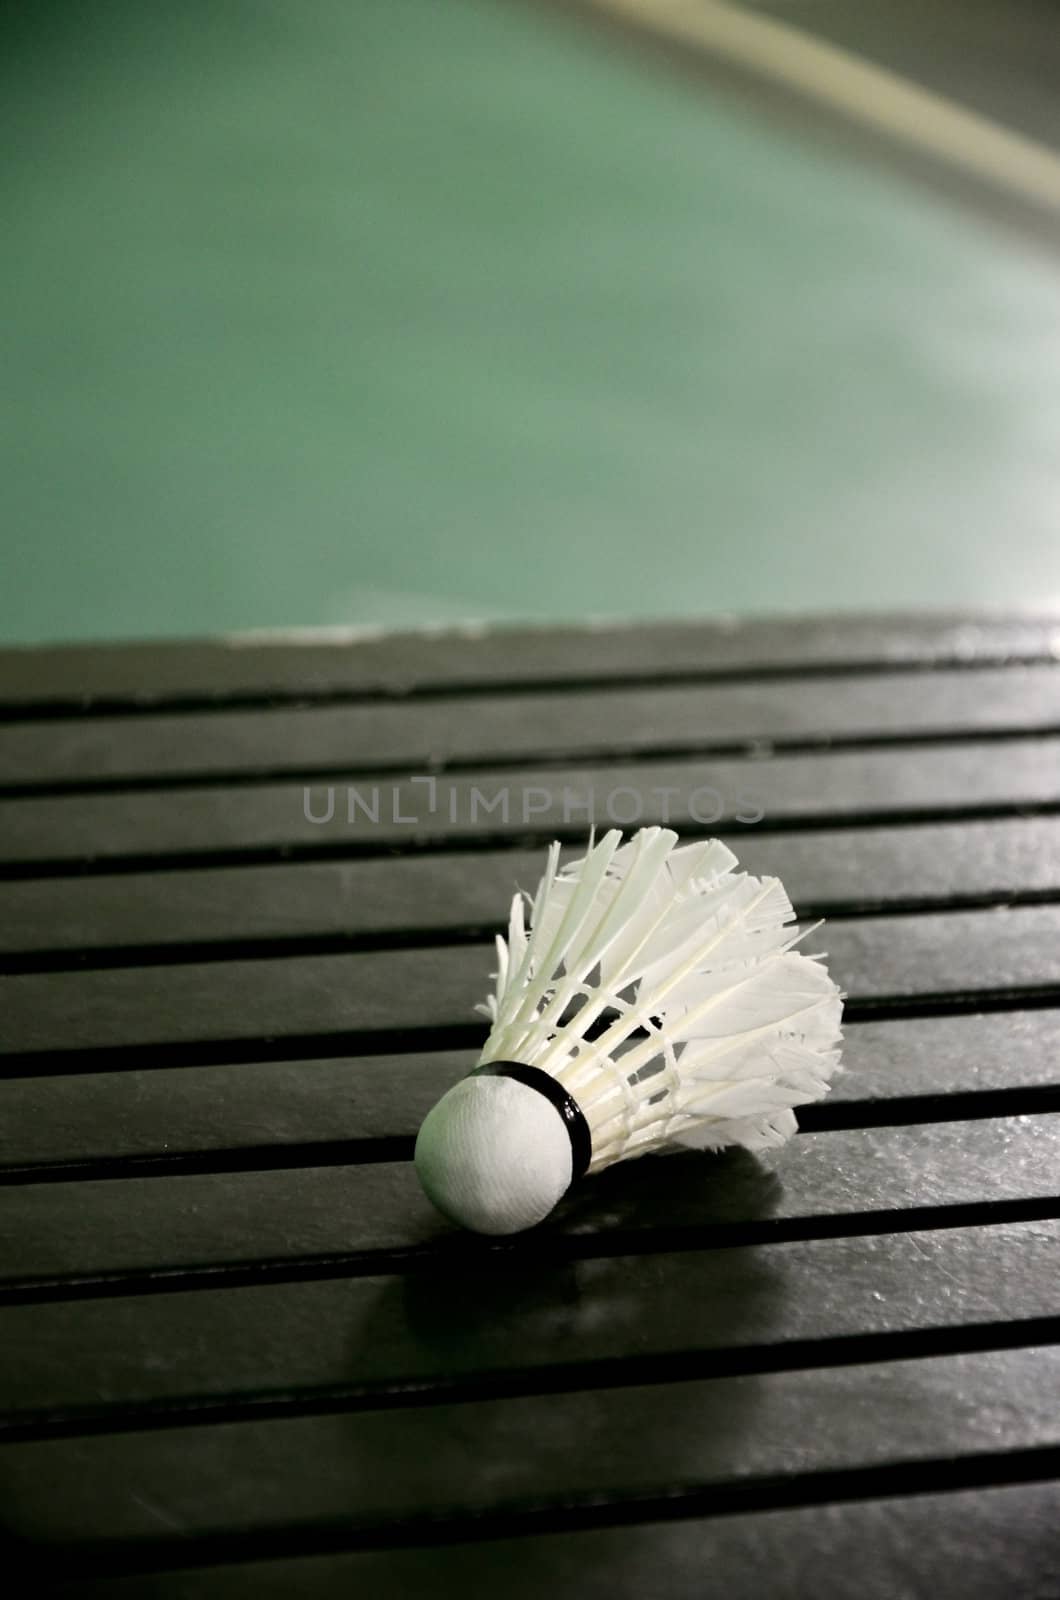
x=330, y=312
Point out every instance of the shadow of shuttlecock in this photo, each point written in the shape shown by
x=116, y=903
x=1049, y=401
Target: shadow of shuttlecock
x=521, y=1353
x=679, y=1197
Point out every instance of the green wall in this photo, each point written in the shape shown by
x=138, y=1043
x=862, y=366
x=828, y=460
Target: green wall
x=323, y=312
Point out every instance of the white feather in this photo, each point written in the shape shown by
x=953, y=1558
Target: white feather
x=661, y=988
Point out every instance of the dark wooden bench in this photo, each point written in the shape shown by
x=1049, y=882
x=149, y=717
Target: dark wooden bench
x=241, y=1354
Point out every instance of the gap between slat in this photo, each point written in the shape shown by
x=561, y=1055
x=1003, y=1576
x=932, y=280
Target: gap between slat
x=136, y=705
x=612, y=1372
x=495, y=842
x=531, y=761
x=281, y=946
x=900, y=1479
x=123, y=1282
x=453, y=1036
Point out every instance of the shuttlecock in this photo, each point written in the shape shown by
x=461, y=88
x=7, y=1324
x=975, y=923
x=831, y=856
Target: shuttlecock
x=655, y=1003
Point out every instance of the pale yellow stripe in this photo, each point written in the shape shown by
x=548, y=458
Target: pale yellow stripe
x=869, y=95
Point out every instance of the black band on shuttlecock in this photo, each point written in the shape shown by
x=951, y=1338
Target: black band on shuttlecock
x=581, y=1140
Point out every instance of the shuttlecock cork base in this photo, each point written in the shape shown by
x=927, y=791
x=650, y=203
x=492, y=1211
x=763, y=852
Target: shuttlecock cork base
x=502, y=1147
x=656, y=1003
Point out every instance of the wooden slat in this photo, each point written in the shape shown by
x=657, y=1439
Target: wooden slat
x=947, y=1056
x=263, y=1106
x=691, y=1439
x=292, y=1112
x=361, y=1214
x=976, y=1544
x=578, y=726
x=188, y=824
x=433, y=894
x=410, y=992
x=151, y=1361
x=296, y=665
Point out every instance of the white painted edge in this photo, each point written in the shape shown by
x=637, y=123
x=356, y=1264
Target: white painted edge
x=871, y=96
